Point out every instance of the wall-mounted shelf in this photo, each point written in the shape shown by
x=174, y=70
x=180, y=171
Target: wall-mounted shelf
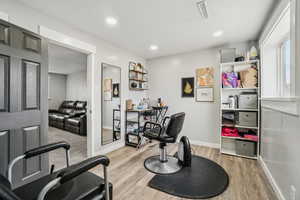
x=138, y=77
x=139, y=72
x=230, y=145
x=138, y=89
x=133, y=79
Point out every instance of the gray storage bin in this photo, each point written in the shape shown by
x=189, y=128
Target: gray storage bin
x=247, y=119
x=245, y=148
x=227, y=55
x=248, y=101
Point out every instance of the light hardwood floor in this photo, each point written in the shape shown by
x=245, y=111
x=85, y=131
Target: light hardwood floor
x=78, y=151
x=129, y=177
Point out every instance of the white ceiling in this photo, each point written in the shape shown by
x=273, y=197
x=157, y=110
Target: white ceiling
x=65, y=61
x=174, y=25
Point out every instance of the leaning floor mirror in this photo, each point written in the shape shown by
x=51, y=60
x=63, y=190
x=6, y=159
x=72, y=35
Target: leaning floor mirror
x=111, y=104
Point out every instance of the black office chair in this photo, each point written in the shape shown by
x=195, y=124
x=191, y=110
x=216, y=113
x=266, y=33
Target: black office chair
x=165, y=133
x=70, y=183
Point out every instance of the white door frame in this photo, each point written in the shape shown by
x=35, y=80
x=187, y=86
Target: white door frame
x=90, y=50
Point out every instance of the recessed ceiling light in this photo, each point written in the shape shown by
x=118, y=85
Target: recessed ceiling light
x=153, y=47
x=111, y=21
x=218, y=33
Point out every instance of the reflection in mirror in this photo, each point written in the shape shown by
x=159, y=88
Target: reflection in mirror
x=111, y=103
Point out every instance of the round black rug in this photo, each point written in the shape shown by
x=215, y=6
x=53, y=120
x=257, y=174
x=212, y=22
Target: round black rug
x=204, y=179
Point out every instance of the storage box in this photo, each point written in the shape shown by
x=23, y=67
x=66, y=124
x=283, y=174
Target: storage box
x=247, y=119
x=228, y=117
x=245, y=148
x=248, y=101
x=227, y=55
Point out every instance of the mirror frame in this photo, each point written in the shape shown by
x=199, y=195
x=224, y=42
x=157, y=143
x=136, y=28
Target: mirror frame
x=103, y=64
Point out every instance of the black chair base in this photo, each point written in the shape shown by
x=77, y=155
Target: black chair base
x=155, y=165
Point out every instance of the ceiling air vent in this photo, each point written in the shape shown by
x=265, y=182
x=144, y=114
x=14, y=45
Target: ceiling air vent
x=202, y=7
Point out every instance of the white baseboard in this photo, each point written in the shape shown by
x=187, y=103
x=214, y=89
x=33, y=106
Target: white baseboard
x=110, y=147
x=206, y=144
x=108, y=127
x=271, y=179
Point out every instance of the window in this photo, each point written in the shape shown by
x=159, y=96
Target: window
x=285, y=68
x=277, y=70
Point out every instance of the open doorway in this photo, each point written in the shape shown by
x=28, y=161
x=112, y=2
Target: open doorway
x=67, y=103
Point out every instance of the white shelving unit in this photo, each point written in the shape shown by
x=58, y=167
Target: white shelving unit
x=227, y=145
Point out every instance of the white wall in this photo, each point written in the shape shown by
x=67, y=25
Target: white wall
x=280, y=129
x=77, y=86
x=202, y=118
x=29, y=18
x=115, y=74
x=57, y=90
x=202, y=123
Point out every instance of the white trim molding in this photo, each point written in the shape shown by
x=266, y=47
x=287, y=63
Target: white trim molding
x=288, y=105
x=68, y=41
x=108, y=127
x=271, y=179
x=205, y=144
x=110, y=147
x=78, y=45
x=4, y=16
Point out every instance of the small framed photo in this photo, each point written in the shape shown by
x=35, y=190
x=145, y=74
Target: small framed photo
x=107, y=89
x=205, y=94
x=116, y=90
x=187, y=87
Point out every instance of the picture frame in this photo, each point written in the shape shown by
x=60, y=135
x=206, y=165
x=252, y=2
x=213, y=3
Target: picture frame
x=116, y=90
x=188, y=87
x=205, y=94
x=205, y=77
x=107, y=89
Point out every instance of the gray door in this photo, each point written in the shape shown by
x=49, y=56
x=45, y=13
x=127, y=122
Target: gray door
x=23, y=100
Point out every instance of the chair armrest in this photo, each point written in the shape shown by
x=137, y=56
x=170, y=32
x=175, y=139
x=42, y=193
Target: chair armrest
x=53, y=111
x=7, y=194
x=74, y=171
x=46, y=148
x=77, y=169
x=165, y=119
x=77, y=115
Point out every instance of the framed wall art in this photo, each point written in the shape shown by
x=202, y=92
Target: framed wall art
x=187, y=87
x=205, y=77
x=116, y=90
x=107, y=89
x=205, y=94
